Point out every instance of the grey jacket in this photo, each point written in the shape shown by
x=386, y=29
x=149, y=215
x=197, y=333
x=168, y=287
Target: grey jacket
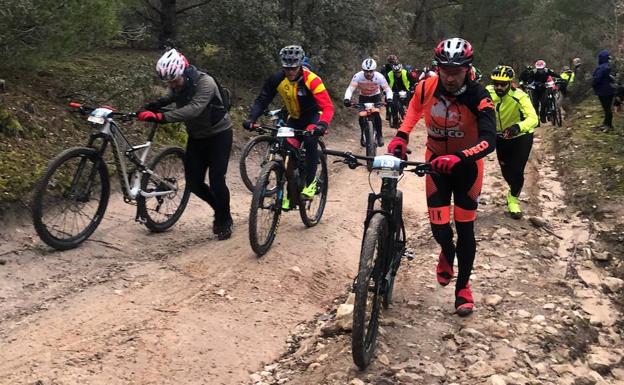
x=202, y=118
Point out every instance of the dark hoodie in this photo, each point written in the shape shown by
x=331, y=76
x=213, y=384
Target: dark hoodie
x=602, y=78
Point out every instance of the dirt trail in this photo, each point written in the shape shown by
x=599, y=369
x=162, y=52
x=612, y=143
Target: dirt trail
x=179, y=307
x=544, y=306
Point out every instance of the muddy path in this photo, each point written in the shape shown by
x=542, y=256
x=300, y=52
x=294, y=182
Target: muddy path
x=129, y=307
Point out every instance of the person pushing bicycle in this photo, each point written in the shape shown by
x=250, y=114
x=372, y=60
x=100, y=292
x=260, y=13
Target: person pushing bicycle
x=200, y=106
x=309, y=108
x=461, y=130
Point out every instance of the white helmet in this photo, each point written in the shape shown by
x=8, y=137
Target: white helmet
x=369, y=65
x=171, y=65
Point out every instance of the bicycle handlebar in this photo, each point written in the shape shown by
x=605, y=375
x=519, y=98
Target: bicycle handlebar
x=260, y=128
x=84, y=110
x=420, y=168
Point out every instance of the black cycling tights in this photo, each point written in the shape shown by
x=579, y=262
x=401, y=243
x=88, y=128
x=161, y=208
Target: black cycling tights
x=513, y=155
x=211, y=154
x=466, y=248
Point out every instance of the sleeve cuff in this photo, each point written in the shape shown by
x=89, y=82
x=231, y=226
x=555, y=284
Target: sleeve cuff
x=402, y=135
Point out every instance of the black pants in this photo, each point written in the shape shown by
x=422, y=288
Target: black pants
x=607, y=104
x=538, y=98
x=310, y=143
x=213, y=155
x=376, y=115
x=513, y=155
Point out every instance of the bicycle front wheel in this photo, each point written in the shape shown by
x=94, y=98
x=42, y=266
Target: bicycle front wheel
x=70, y=198
x=266, y=207
x=253, y=158
x=368, y=294
x=164, y=193
x=311, y=211
x=395, y=251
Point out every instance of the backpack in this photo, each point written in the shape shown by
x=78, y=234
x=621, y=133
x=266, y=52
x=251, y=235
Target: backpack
x=225, y=100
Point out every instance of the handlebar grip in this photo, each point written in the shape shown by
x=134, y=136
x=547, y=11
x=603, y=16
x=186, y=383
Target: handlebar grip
x=335, y=153
x=75, y=105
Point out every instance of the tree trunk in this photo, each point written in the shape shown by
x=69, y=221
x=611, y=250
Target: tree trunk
x=167, y=35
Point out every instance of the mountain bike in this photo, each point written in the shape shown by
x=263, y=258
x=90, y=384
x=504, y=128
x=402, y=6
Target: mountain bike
x=255, y=153
x=72, y=195
x=285, y=167
x=383, y=246
x=552, y=98
x=368, y=110
x=398, y=108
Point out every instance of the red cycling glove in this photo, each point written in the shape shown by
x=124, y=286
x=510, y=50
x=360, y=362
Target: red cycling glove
x=445, y=163
x=399, y=143
x=149, y=116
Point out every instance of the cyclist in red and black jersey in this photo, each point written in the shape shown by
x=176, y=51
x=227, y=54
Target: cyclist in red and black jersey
x=308, y=103
x=461, y=130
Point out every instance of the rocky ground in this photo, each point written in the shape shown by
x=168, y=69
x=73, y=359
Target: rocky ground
x=545, y=307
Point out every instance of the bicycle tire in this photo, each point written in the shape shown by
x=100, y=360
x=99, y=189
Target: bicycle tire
x=399, y=236
x=41, y=188
x=321, y=195
x=558, y=115
x=261, y=246
x=364, y=334
x=371, y=145
x=148, y=184
x=250, y=180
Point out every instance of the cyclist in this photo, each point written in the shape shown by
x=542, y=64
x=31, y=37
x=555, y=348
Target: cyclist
x=391, y=60
x=369, y=82
x=398, y=81
x=461, y=130
x=526, y=77
x=428, y=72
x=309, y=108
x=568, y=75
x=200, y=106
x=516, y=120
x=476, y=74
x=539, y=78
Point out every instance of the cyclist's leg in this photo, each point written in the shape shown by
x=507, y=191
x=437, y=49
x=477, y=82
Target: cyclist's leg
x=438, y=189
x=519, y=150
x=218, y=156
x=310, y=144
x=195, y=167
x=466, y=191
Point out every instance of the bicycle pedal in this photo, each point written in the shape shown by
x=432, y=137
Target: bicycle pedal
x=140, y=219
x=409, y=255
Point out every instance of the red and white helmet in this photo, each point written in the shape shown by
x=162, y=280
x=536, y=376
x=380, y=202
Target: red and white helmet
x=454, y=52
x=171, y=65
x=540, y=64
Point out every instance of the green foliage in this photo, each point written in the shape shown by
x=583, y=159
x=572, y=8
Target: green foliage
x=32, y=30
x=9, y=125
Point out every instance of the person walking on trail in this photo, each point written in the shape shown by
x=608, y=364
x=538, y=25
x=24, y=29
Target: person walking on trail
x=200, y=106
x=309, y=108
x=516, y=120
x=604, y=87
x=461, y=130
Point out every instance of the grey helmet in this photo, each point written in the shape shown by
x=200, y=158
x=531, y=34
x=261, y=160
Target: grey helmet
x=291, y=56
x=369, y=65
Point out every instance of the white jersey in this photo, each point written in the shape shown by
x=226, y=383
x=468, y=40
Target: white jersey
x=368, y=87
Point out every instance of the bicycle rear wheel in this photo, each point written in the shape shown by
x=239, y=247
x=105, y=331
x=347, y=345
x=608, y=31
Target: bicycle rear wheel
x=266, y=207
x=371, y=145
x=160, y=212
x=368, y=294
x=253, y=158
x=311, y=211
x=70, y=198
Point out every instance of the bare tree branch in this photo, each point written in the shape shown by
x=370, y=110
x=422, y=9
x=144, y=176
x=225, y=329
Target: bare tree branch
x=192, y=6
x=449, y=4
x=145, y=17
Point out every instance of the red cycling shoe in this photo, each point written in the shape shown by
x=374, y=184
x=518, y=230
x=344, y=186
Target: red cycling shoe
x=444, y=271
x=464, y=304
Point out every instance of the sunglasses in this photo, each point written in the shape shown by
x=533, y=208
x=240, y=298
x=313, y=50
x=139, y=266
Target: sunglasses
x=500, y=84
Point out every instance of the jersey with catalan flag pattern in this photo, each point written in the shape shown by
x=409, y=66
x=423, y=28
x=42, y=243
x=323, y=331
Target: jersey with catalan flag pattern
x=463, y=125
x=305, y=98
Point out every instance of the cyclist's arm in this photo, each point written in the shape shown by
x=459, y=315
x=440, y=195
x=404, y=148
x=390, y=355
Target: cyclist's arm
x=205, y=91
x=267, y=93
x=350, y=90
x=316, y=85
x=165, y=100
x=482, y=106
x=384, y=86
x=528, y=111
